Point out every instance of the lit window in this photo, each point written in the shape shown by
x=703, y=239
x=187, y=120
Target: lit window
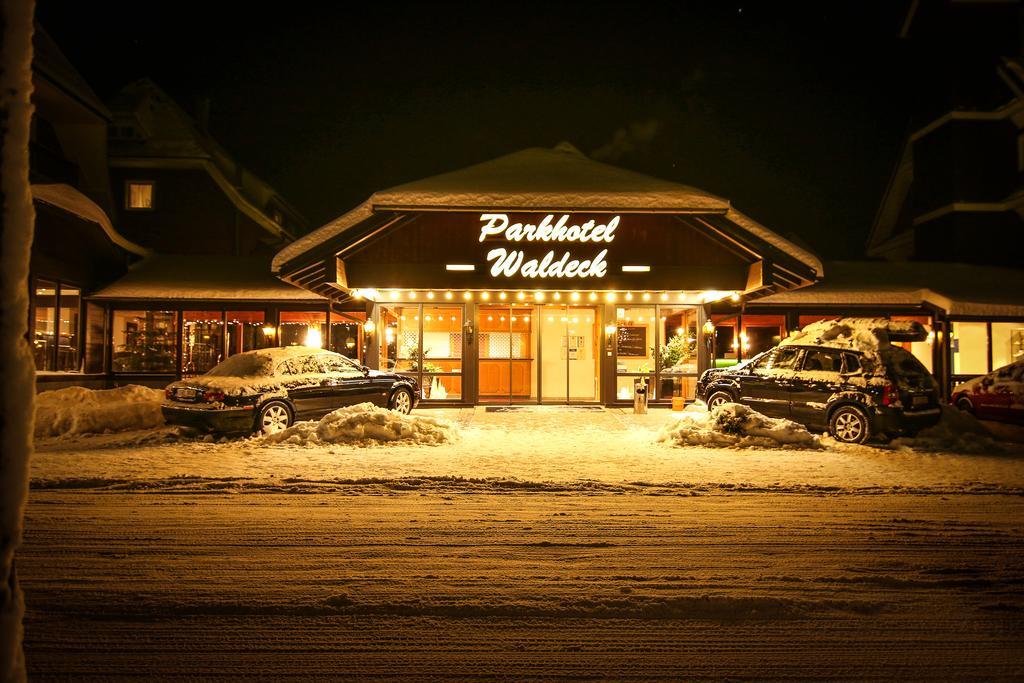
x=139, y=195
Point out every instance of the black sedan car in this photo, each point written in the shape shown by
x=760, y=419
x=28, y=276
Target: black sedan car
x=269, y=389
x=846, y=392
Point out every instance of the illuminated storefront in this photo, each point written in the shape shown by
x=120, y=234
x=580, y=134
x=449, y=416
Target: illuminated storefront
x=543, y=278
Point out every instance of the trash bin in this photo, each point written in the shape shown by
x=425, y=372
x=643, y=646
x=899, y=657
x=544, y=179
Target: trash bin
x=640, y=396
x=678, y=403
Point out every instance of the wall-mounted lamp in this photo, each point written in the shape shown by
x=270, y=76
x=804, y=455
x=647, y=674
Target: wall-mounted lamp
x=269, y=331
x=609, y=336
x=467, y=330
x=369, y=326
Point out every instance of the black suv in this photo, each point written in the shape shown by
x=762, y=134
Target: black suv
x=852, y=395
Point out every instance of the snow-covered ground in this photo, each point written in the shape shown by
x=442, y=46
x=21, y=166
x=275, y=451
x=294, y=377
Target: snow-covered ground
x=540, y=448
x=407, y=585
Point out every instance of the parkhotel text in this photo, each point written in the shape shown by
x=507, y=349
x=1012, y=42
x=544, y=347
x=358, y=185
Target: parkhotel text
x=510, y=262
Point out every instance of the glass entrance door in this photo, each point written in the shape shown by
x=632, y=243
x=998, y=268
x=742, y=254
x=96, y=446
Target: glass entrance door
x=570, y=354
x=507, y=349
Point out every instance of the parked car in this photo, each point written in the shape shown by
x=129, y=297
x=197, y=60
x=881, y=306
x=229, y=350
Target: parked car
x=998, y=395
x=852, y=394
x=269, y=389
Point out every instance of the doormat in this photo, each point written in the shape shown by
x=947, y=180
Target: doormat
x=526, y=409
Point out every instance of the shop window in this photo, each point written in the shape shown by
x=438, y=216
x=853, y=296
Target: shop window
x=145, y=341
x=303, y=328
x=138, y=195
x=347, y=336
x=1007, y=343
x=202, y=341
x=921, y=350
x=677, y=355
x=247, y=331
x=44, y=325
x=969, y=346
x=95, y=337
x=425, y=342
x=68, y=326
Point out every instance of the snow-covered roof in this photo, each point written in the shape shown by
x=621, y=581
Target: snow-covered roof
x=958, y=289
x=69, y=199
x=536, y=179
x=227, y=278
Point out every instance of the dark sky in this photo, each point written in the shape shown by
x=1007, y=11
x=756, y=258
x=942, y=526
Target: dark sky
x=794, y=111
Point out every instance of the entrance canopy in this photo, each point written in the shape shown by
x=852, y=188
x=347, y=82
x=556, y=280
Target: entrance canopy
x=545, y=219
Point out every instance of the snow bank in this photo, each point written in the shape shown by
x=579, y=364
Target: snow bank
x=365, y=422
x=956, y=431
x=732, y=424
x=77, y=410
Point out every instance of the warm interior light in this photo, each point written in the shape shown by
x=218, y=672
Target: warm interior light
x=430, y=295
x=503, y=296
x=647, y=296
x=538, y=296
x=610, y=329
x=629, y=296
x=269, y=330
x=313, y=337
x=465, y=267
x=485, y=296
x=521, y=296
x=679, y=331
x=412, y=295
x=557, y=296
x=575, y=296
x=610, y=297
x=467, y=295
x=369, y=326
x=448, y=295
x=664, y=296
x=709, y=327
x=636, y=269
x=593, y=296
x=735, y=296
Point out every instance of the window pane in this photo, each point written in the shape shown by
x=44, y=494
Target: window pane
x=399, y=348
x=247, y=331
x=145, y=341
x=625, y=386
x=442, y=350
x=786, y=359
x=347, y=336
x=44, y=327
x=203, y=341
x=1007, y=343
x=761, y=332
x=67, y=342
x=140, y=195
x=635, y=341
x=95, y=337
x=303, y=328
x=676, y=386
x=970, y=348
x=727, y=341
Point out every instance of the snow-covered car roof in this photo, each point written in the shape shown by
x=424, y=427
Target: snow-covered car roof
x=866, y=335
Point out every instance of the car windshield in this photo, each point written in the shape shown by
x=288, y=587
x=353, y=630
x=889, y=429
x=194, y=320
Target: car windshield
x=243, y=365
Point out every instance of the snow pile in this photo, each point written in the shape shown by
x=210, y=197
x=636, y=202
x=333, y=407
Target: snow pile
x=956, y=431
x=77, y=410
x=867, y=335
x=365, y=422
x=732, y=424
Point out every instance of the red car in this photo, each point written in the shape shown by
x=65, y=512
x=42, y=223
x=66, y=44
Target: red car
x=998, y=395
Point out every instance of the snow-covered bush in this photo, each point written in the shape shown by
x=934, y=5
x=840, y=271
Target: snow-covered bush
x=732, y=424
x=77, y=410
x=365, y=422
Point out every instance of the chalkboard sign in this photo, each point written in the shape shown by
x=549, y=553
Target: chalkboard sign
x=632, y=341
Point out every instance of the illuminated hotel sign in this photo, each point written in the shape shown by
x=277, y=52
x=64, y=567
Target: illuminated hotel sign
x=512, y=262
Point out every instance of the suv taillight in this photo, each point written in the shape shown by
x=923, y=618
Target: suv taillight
x=889, y=394
x=213, y=396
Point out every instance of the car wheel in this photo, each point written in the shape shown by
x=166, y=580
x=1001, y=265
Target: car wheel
x=849, y=424
x=401, y=401
x=273, y=417
x=964, y=404
x=718, y=398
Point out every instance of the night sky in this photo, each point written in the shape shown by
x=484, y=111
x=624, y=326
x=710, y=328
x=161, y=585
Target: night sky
x=794, y=111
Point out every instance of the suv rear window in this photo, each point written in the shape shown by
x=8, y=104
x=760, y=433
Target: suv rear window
x=852, y=363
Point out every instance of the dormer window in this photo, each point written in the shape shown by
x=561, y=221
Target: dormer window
x=138, y=195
